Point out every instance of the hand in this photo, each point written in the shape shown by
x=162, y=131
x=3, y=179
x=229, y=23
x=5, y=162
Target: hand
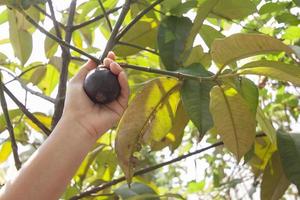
x=94, y=118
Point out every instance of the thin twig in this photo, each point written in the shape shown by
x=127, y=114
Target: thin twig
x=112, y=39
x=108, y=12
x=25, y=87
x=105, y=15
x=53, y=37
x=63, y=78
x=37, y=122
x=136, y=19
x=148, y=169
x=137, y=47
x=47, y=15
x=55, y=23
x=10, y=128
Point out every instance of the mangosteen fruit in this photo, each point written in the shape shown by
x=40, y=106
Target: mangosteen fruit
x=102, y=86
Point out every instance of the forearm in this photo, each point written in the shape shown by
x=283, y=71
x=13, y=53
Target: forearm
x=47, y=173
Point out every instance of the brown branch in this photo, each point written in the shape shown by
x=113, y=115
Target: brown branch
x=26, y=112
x=148, y=169
x=105, y=15
x=10, y=128
x=49, y=16
x=137, y=47
x=108, y=12
x=136, y=19
x=62, y=87
x=112, y=39
x=25, y=87
x=55, y=23
x=53, y=37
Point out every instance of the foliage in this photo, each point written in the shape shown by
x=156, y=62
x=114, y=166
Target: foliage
x=200, y=72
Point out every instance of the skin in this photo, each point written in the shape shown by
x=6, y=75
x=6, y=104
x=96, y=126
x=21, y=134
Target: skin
x=49, y=170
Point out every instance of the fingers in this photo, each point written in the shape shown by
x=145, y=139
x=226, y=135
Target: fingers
x=111, y=55
x=84, y=70
x=124, y=95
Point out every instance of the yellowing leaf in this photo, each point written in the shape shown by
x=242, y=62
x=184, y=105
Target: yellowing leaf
x=274, y=181
x=149, y=117
x=273, y=69
x=241, y=45
x=46, y=120
x=142, y=34
x=50, y=46
x=233, y=119
x=174, y=137
x=5, y=151
x=234, y=9
x=266, y=125
x=21, y=40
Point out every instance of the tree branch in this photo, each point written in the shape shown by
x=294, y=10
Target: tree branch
x=55, y=23
x=136, y=19
x=66, y=56
x=174, y=74
x=148, y=169
x=49, y=16
x=53, y=37
x=10, y=128
x=105, y=15
x=108, y=12
x=137, y=47
x=25, y=87
x=26, y=112
x=112, y=39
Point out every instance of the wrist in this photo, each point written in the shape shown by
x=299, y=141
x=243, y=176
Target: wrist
x=79, y=127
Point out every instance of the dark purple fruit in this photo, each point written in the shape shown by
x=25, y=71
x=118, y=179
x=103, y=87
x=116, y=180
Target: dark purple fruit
x=102, y=86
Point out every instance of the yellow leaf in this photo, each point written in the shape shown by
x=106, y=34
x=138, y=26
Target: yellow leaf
x=233, y=119
x=46, y=120
x=241, y=45
x=149, y=117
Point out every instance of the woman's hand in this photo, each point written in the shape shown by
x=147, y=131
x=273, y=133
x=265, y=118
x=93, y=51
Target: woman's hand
x=94, y=118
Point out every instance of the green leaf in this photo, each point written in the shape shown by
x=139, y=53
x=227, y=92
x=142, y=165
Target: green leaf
x=157, y=104
x=289, y=149
x=241, y=45
x=270, y=8
x=273, y=69
x=291, y=33
x=46, y=120
x=50, y=46
x=274, y=181
x=12, y=115
x=266, y=125
x=297, y=2
x=172, y=34
x=232, y=9
x=249, y=92
x=21, y=40
x=204, y=9
x=3, y=16
x=36, y=74
x=184, y=7
x=142, y=34
x=50, y=81
x=5, y=151
x=209, y=34
x=233, y=119
x=195, y=97
x=135, y=190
